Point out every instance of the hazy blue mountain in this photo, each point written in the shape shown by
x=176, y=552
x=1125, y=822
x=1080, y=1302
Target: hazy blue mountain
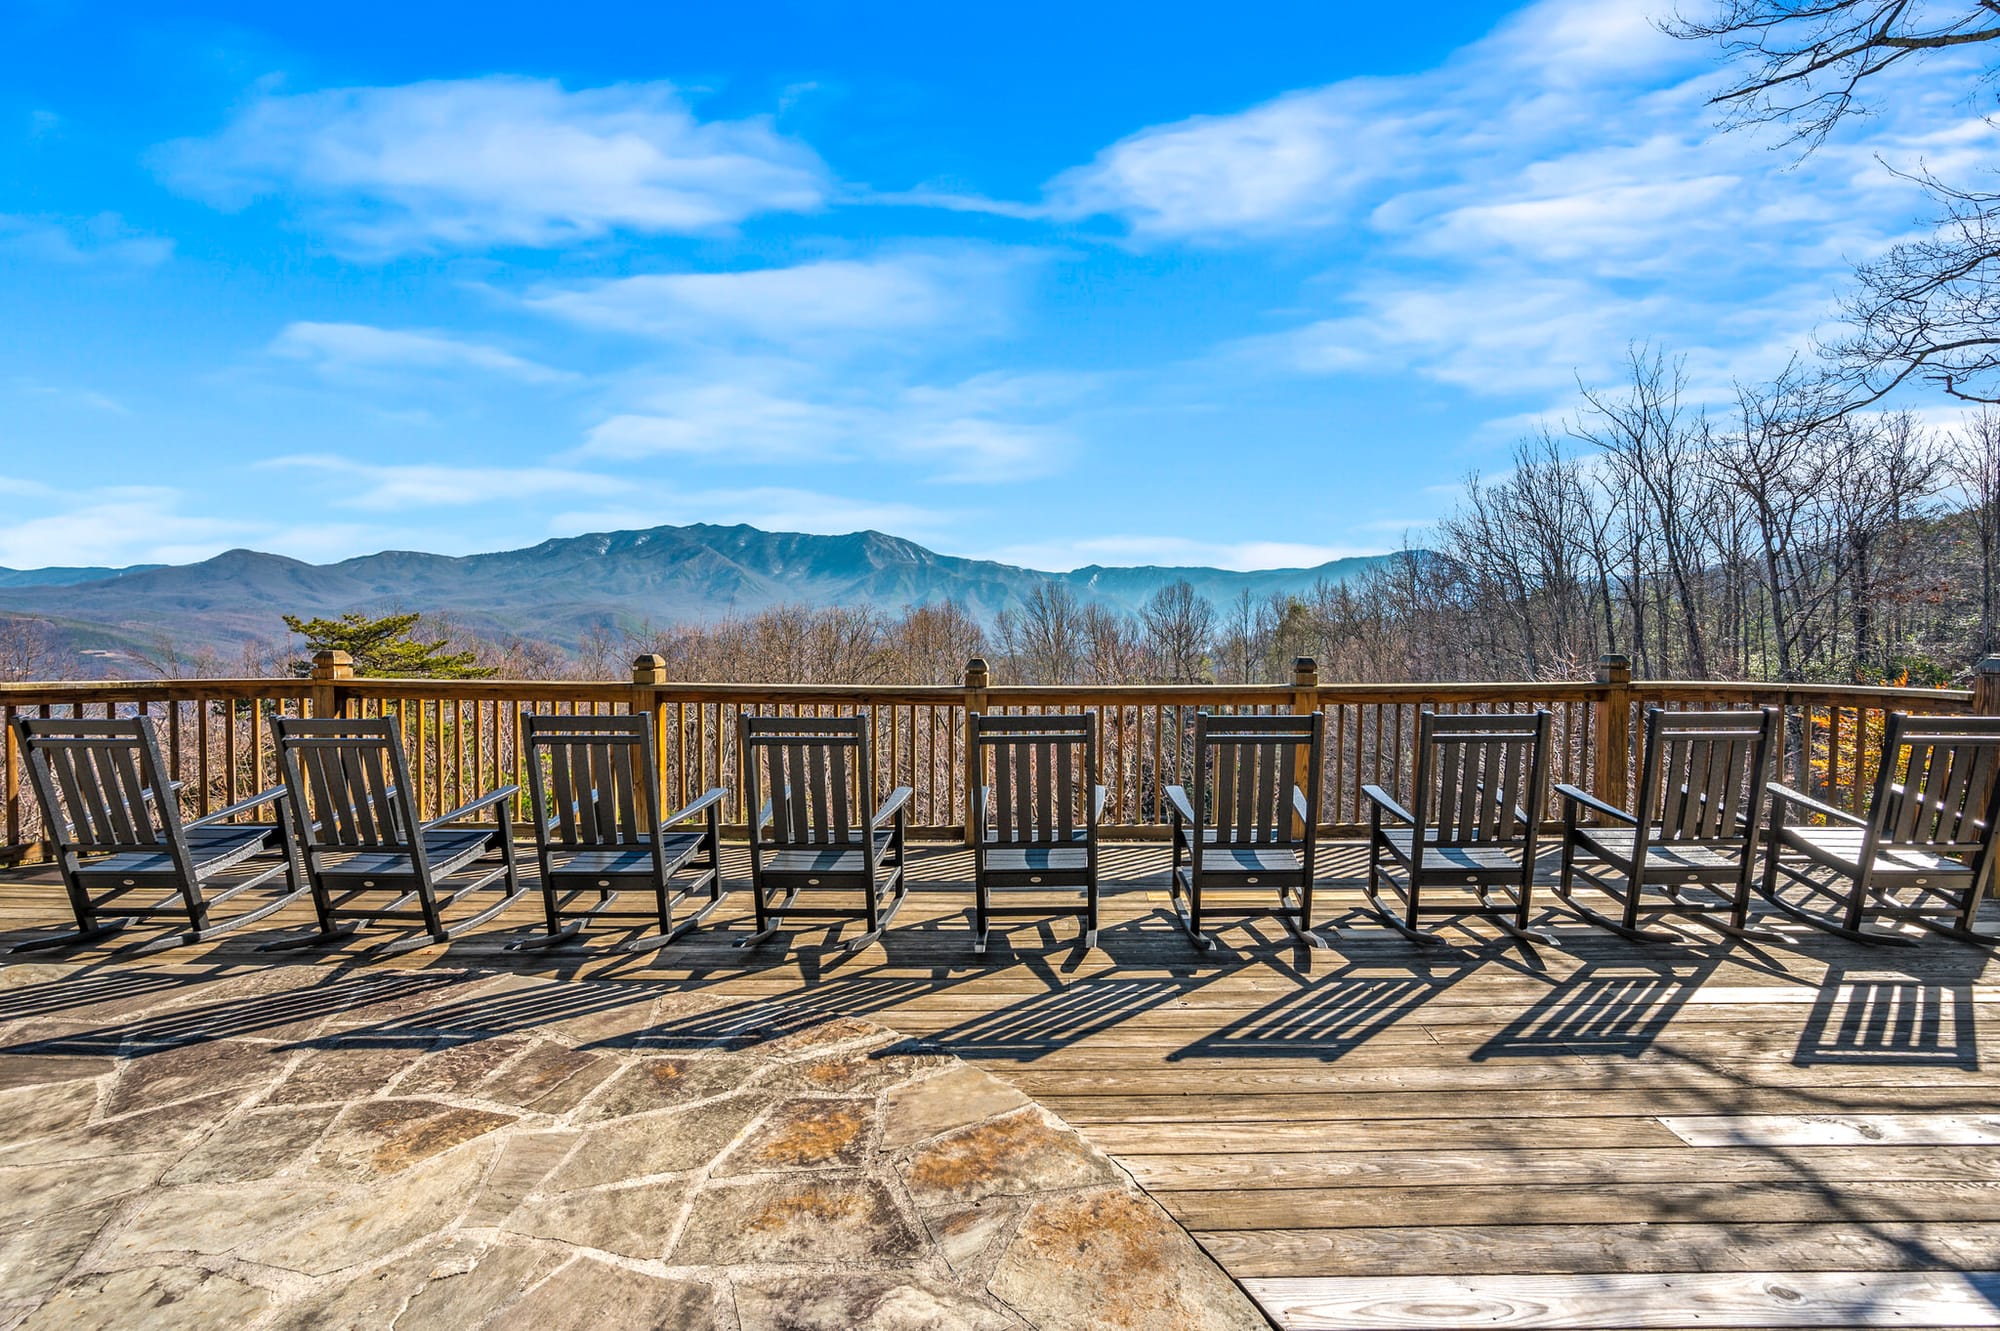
x=559, y=589
x=63, y=577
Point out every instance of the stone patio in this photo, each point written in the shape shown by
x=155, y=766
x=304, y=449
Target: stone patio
x=326, y=1147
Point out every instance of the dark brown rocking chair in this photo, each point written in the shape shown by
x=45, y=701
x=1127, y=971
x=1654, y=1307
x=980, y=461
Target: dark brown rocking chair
x=1924, y=852
x=116, y=823
x=595, y=787
x=1695, y=830
x=367, y=857
x=1257, y=828
x=1037, y=820
x=1480, y=785
x=819, y=829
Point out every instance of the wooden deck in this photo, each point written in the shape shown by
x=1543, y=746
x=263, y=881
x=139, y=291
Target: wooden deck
x=1596, y=1134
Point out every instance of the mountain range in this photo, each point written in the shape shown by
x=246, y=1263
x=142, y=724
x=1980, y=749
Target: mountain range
x=562, y=588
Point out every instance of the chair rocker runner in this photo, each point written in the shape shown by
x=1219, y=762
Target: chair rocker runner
x=1480, y=784
x=115, y=820
x=367, y=856
x=1038, y=817
x=1255, y=827
x=818, y=828
x=1923, y=852
x=1694, y=830
x=595, y=787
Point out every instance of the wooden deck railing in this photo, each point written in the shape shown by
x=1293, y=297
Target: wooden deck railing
x=464, y=736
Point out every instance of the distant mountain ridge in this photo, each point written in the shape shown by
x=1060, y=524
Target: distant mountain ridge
x=561, y=588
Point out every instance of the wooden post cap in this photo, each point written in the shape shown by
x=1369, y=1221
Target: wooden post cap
x=333, y=664
x=1305, y=672
x=1986, y=686
x=650, y=668
x=1614, y=668
x=976, y=674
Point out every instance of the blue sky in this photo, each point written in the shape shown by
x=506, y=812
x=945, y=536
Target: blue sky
x=1119, y=283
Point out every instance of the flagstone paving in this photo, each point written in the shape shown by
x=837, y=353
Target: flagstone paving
x=322, y=1147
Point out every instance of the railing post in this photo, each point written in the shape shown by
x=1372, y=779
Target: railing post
x=1305, y=701
x=1986, y=686
x=329, y=668
x=1611, y=738
x=649, y=673
x=977, y=680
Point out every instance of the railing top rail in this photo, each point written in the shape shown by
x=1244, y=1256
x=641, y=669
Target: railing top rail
x=1848, y=695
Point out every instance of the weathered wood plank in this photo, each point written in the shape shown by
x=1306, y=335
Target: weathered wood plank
x=1814, y=1130
x=1715, y=1299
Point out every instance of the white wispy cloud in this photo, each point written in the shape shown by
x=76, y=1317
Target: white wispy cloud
x=995, y=426
x=498, y=161
x=1061, y=556
x=108, y=525
x=338, y=349
x=392, y=486
x=829, y=299
x=103, y=241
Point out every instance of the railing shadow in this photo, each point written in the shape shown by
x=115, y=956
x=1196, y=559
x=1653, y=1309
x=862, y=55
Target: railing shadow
x=1602, y=1010
x=1889, y=1021
x=86, y=989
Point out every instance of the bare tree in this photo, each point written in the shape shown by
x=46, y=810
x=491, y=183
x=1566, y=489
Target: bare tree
x=1044, y=638
x=1976, y=467
x=27, y=650
x=1179, y=624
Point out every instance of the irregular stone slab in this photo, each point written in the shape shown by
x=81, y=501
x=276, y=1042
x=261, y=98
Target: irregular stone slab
x=253, y=1145
x=187, y=1071
x=860, y=1072
x=37, y=1111
x=457, y=1068
x=824, y=1033
x=525, y=1160
x=632, y=1222
x=821, y=1219
x=149, y=1296
x=588, y=1295
x=1022, y=1152
x=549, y=1078
x=461, y=1288
x=861, y=1303
x=172, y=1128
x=806, y=1134
x=667, y=1080
x=37, y=1254
x=424, y=1200
x=32, y=1190
x=378, y=1137
x=1112, y=1260
x=966, y=1237
x=214, y=1219
x=338, y=1074
x=673, y=1143
x=42, y=1069
x=953, y=1099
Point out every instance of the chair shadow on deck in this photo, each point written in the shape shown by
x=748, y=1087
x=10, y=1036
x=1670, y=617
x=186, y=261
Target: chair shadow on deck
x=1040, y=1025
x=1889, y=1021
x=1333, y=1015
x=86, y=990
x=1601, y=1010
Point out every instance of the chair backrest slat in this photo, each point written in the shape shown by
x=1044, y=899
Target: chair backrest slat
x=1936, y=785
x=598, y=774
x=1043, y=771
x=1701, y=773
x=1478, y=775
x=349, y=782
x=103, y=784
x=1251, y=764
x=815, y=772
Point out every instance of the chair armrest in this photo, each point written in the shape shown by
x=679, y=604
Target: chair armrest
x=1386, y=802
x=1804, y=801
x=485, y=801
x=984, y=801
x=1099, y=796
x=1299, y=807
x=1575, y=795
x=275, y=795
x=1179, y=799
x=891, y=806
x=711, y=797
